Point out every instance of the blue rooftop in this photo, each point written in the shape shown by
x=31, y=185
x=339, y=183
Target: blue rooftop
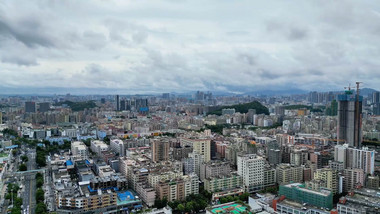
x=12, y=147
x=69, y=163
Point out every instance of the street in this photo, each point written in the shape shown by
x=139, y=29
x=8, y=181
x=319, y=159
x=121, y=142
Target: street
x=29, y=193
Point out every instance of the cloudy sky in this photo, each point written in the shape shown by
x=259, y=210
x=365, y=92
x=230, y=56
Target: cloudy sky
x=150, y=46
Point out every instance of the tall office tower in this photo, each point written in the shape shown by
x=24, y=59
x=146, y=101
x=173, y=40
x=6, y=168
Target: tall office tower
x=1, y=117
x=251, y=168
x=350, y=118
x=376, y=97
x=160, y=151
x=166, y=96
x=30, y=107
x=122, y=105
x=103, y=100
x=142, y=106
x=117, y=100
x=44, y=107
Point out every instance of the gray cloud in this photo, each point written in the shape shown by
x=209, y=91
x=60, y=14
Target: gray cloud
x=145, y=46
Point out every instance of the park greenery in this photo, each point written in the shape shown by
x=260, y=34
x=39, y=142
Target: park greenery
x=243, y=108
x=78, y=106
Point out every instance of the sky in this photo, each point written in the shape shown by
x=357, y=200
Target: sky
x=139, y=46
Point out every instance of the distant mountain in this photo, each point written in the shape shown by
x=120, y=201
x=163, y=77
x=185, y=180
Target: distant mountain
x=367, y=91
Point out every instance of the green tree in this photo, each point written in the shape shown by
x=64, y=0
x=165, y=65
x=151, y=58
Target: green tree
x=40, y=195
x=181, y=208
x=244, y=196
x=24, y=158
x=22, y=167
x=189, y=206
x=41, y=208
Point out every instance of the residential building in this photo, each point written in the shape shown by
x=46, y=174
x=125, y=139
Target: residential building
x=118, y=146
x=79, y=149
x=223, y=182
x=214, y=169
x=298, y=193
x=98, y=147
x=251, y=168
x=330, y=176
x=286, y=173
x=201, y=146
x=160, y=150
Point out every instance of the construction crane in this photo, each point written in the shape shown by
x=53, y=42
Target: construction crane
x=357, y=114
x=349, y=87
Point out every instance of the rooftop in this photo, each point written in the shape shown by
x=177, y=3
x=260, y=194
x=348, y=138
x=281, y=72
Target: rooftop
x=229, y=208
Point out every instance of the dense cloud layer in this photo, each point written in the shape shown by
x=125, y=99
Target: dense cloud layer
x=144, y=46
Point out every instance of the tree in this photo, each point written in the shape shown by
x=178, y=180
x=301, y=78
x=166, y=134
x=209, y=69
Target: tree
x=22, y=167
x=181, y=208
x=24, y=158
x=40, y=208
x=189, y=206
x=244, y=196
x=40, y=195
x=160, y=203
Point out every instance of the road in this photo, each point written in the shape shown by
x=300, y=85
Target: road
x=29, y=194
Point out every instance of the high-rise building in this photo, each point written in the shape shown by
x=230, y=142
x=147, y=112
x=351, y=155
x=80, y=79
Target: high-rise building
x=30, y=107
x=330, y=176
x=376, y=97
x=1, y=117
x=352, y=179
x=122, y=105
x=355, y=158
x=44, y=107
x=166, y=96
x=286, y=173
x=251, y=168
x=117, y=100
x=142, y=106
x=350, y=118
x=160, y=150
x=201, y=146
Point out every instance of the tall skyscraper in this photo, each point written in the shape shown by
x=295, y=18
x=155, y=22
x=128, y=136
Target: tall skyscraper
x=160, y=151
x=30, y=107
x=122, y=105
x=1, y=117
x=117, y=100
x=44, y=107
x=376, y=97
x=350, y=118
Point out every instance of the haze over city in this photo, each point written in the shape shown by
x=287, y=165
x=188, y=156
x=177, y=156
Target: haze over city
x=128, y=47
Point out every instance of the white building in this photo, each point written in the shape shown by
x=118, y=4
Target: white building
x=251, y=168
x=118, y=147
x=98, y=146
x=79, y=149
x=355, y=158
